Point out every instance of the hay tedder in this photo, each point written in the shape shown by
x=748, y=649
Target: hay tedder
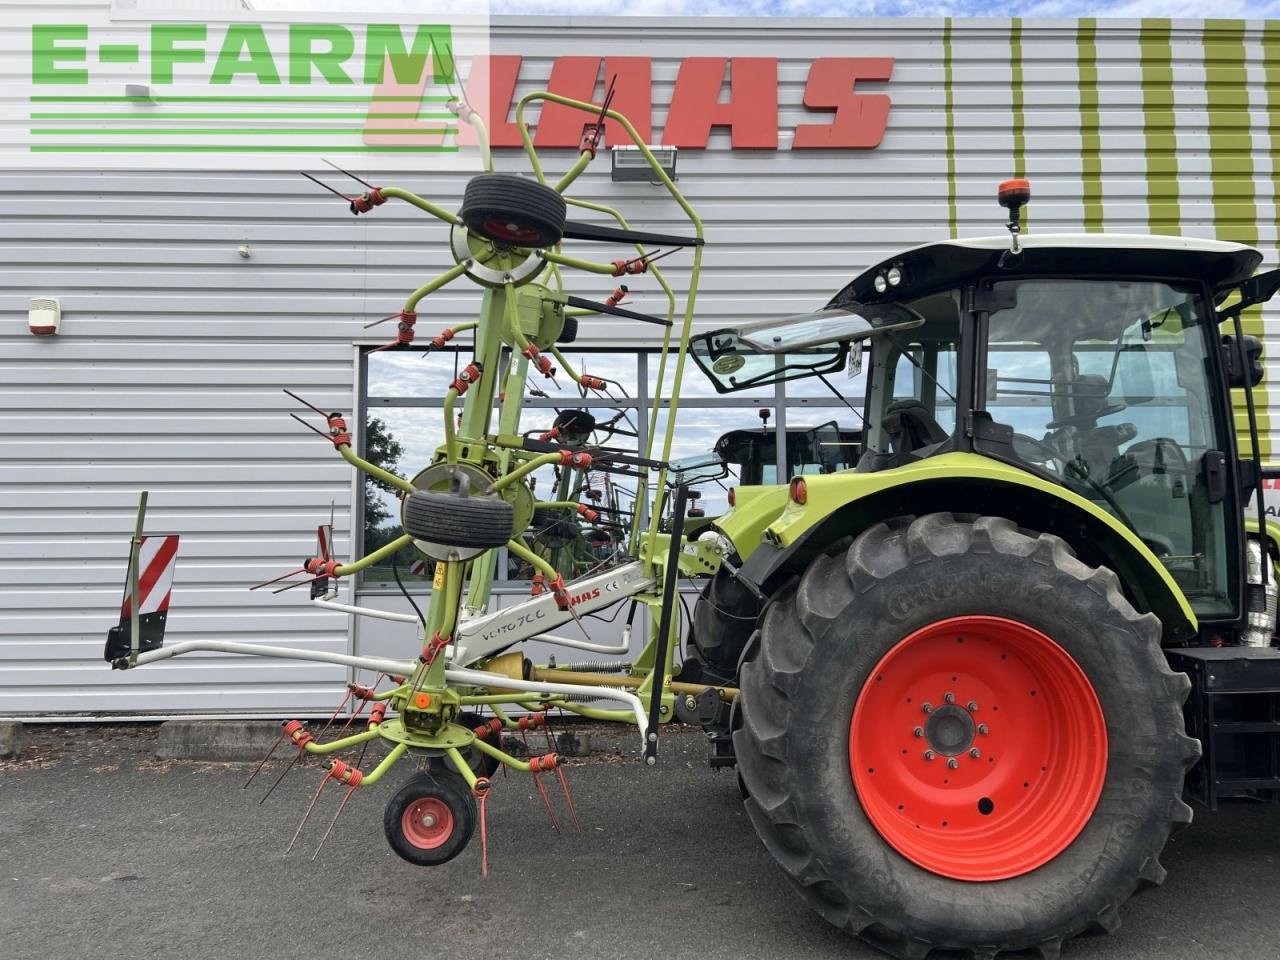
x=950, y=662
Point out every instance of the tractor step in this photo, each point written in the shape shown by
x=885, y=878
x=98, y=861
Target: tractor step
x=1234, y=711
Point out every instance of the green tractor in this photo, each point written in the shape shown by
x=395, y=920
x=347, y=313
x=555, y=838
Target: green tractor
x=964, y=664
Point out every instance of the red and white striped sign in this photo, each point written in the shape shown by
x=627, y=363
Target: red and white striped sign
x=157, y=558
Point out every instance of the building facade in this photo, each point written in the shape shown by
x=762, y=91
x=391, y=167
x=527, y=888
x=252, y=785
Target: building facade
x=811, y=149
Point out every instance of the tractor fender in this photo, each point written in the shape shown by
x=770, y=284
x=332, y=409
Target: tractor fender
x=839, y=506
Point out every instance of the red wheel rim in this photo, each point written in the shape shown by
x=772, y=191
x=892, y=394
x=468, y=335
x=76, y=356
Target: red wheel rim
x=427, y=823
x=1006, y=691
x=506, y=230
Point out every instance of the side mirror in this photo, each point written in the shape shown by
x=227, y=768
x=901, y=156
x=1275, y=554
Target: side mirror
x=1253, y=291
x=1243, y=360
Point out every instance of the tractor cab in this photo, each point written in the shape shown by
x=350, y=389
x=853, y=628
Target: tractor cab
x=825, y=448
x=1094, y=363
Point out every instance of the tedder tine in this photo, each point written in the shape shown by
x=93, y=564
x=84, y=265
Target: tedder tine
x=306, y=816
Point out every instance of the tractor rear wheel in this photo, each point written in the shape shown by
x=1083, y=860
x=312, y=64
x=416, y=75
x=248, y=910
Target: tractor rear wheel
x=956, y=736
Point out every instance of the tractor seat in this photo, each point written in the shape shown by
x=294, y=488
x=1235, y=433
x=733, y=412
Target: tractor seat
x=911, y=429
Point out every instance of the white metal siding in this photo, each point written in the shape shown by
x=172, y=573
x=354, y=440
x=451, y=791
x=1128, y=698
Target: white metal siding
x=167, y=375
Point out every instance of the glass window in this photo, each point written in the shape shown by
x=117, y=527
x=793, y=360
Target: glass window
x=404, y=428
x=1105, y=385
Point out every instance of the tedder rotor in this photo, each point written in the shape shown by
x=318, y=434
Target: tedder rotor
x=583, y=548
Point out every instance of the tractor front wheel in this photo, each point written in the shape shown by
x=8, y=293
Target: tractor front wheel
x=956, y=736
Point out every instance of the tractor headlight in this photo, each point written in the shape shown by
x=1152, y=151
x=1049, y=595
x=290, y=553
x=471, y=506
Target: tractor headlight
x=721, y=544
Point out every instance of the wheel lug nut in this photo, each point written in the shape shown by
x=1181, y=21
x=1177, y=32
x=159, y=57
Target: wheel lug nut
x=926, y=707
x=928, y=754
x=918, y=732
x=953, y=763
x=975, y=753
x=972, y=706
x=949, y=697
x=983, y=729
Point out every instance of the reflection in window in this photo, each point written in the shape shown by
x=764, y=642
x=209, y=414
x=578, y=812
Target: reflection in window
x=403, y=393
x=1105, y=386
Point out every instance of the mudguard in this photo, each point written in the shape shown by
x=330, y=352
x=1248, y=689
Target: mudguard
x=841, y=505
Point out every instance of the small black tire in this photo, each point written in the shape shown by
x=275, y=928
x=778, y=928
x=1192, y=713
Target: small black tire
x=568, y=332
x=430, y=819
x=456, y=521
x=554, y=527
x=513, y=211
x=481, y=764
x=822, y=644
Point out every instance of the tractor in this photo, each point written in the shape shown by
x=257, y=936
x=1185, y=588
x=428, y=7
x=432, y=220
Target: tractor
x=950, y=659
x=977, y=669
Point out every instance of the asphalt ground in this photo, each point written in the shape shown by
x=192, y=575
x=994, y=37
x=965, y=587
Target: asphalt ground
x=106, y=852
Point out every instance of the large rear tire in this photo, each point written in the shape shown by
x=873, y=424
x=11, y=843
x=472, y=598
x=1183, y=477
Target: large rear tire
x=1054, y=724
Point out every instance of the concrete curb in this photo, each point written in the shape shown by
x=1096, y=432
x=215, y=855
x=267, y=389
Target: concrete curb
x=245, y=740
x=223, y=740
x=10, y=739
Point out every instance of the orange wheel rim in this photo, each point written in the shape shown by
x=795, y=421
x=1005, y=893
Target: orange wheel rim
x=978, y=748
x=427, y=823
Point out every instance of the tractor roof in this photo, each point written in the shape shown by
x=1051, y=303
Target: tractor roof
x=948, y=263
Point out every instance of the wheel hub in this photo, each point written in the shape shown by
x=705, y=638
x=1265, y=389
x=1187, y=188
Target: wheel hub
x=950, y=730
x=978, y=748
x=427, y=823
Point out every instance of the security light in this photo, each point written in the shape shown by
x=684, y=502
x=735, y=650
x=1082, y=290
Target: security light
x=630, y=165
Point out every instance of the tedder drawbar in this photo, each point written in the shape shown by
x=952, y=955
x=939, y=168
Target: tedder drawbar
x=950, y=660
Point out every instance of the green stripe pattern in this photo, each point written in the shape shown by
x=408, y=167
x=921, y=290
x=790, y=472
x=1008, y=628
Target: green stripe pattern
x=953, y=216
x=1235, y=211
x=1090, y=124
x=1018, y=108
x=1160, y=132
x=1019, y=113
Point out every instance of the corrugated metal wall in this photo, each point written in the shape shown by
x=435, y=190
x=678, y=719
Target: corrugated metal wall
x=168, y=373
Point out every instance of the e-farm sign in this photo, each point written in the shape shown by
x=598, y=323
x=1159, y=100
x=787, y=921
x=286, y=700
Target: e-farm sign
x=260, y=93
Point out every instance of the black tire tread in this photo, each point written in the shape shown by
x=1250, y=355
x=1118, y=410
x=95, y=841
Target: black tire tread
x=517, y=198
x=777, y=656
x=458, y=521
x=724, y=618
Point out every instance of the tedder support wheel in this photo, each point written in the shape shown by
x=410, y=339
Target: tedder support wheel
x=430, y=819
x=481, y=764
x=568, y=332
x=956, y=736
x=458, y=521
x=513, y=211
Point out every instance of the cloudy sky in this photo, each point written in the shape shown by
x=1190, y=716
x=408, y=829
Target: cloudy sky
x=1251, y=9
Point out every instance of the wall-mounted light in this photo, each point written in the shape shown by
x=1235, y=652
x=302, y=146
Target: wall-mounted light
x=631, y=166
x=45, y=316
